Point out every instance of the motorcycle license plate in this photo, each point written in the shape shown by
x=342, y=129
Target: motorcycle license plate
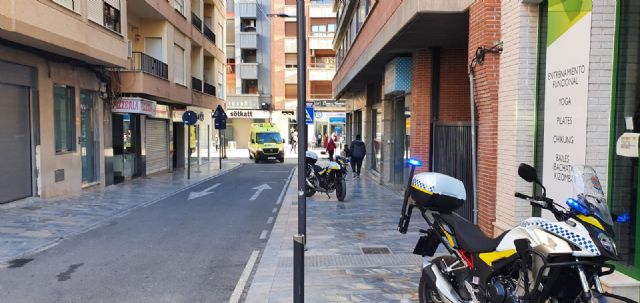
x=271, y=158
x=427, y=244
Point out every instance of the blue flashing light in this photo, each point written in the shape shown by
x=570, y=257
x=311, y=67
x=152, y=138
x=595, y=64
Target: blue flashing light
x=577, y=206
x=623, y=218
x=414, y=162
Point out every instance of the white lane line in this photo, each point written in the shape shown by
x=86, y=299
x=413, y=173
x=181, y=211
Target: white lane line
x=270, y=220
x=263, y=235
x=244, y=278
x=285, y=187
x=274, y=210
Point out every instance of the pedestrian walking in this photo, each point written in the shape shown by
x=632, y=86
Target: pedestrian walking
x=294, y=141
x=331, y=148
x=318, y=140
x=325, y=141
x=358, y=152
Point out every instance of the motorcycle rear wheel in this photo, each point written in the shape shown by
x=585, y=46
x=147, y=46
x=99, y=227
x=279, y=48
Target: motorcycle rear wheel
x=341, y=190
x=426, y=294
x=309, y=191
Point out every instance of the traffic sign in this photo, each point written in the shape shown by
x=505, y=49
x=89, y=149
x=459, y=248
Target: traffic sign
x=190, y=117
x=310, y=115
x=220, y=118
x=219, y=112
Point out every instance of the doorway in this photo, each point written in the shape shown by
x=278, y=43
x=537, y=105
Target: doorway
x=89, y=136
x=126, y=147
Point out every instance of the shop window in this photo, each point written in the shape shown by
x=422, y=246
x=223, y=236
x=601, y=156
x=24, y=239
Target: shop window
x=625, y=171
x=64, y=118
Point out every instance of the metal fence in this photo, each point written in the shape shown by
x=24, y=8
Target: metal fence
x=151, y=65
x=452, y=156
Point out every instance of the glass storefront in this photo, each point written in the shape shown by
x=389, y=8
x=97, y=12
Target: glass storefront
x=377, y=139
x=624, y=171
x=89, y=136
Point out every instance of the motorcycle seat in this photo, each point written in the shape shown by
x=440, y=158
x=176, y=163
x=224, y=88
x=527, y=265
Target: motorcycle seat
x=469, y=236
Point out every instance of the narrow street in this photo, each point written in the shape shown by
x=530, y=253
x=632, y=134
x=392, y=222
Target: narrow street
x=189, y=247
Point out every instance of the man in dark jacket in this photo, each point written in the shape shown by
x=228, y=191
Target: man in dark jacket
x=358, y=151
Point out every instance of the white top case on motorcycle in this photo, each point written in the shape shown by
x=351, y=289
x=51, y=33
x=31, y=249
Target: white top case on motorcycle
x=437, y=192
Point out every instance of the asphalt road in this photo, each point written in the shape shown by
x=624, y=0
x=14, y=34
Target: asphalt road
x=176, y=250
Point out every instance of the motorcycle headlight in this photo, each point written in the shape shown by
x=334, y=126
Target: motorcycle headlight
x=608, y=243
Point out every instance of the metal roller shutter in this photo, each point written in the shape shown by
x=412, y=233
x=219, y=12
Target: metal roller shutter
x=157, y=157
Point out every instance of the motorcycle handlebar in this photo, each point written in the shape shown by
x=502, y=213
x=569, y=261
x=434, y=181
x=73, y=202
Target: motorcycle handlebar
x=534, y=201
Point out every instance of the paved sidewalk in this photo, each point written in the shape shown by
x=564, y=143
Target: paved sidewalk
x=336, y=268
x=32, y=225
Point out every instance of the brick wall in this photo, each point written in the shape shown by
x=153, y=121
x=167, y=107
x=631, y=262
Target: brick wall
x=421, y=107
x=454, y=86
x=600, y=82
x=484, y=29
x=517, y=98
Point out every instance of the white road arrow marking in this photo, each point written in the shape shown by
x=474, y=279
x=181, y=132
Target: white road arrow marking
x=206, y=191
x=259, y=190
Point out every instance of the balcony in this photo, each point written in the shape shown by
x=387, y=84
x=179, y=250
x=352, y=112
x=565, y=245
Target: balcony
x=290, y=10
x=321, y=71
x=290, y=76
x=150, y=65
x=248, y=40
x=209, y=34
x=244, y=101
x=321, y=11
x=247, y=9
x=247, y=70
x=196, y=21
x=196, y=84
x=290, y=45
x=209, y=89
x=320, y=42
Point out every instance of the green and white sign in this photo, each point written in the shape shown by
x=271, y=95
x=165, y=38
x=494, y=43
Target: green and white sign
x=566, y=93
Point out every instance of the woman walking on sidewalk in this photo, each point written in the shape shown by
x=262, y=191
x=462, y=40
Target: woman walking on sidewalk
x=331, y=148
x=358, y=152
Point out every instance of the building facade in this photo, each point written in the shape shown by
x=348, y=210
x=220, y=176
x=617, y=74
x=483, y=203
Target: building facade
x=556, y=88
x=271, y=64
x=93, y=88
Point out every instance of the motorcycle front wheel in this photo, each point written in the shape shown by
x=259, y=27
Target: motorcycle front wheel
x=341, y=190
x=426, y=294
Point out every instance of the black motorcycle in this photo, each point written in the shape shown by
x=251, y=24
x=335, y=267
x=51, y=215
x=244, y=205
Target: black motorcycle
x=325, y=179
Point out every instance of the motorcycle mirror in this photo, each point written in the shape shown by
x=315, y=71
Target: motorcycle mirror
x=528, y=173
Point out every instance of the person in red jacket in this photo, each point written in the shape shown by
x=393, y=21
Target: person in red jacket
x=331, y=148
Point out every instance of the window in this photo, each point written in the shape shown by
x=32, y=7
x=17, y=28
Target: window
x=111, y=17
x=331, y=28
x=220, y=85
x=178, y=68
x=64, y=118
x=248, y=25
x=290, y=29
x=249, y=86
x=69, y=4
x=179, y=5
x=291, y=60
x=249, y=56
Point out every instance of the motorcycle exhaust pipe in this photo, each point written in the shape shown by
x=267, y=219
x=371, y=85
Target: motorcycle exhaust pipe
x=437, y=281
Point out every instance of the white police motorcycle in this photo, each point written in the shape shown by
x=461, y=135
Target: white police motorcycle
x=538, y=261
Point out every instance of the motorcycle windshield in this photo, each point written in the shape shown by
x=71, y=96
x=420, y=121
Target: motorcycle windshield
x=587, y=188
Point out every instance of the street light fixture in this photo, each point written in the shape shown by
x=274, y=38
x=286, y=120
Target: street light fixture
x=300, y=239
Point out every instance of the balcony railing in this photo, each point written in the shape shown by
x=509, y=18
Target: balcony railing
x=209, y=89
x=195, y=20
x=150, y=65
x=320, y=96
x=209, y=34
x=196, y=84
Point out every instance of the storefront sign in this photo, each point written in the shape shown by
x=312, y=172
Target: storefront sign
x=627, y=145
x=176, y=115
x=566, y=94
x=248, y=114
x=134, y=105
x=162, y=112
x=329, y=103
x=339, y=120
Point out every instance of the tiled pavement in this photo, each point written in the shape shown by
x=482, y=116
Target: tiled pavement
x=336, y=270
x=31, y=225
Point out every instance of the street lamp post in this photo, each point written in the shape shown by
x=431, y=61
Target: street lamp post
x=299, y=239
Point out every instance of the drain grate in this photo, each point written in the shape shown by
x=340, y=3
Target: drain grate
x=379, y=250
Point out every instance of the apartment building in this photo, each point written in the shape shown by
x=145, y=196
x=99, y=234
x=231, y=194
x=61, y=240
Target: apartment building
x=176, y=64
x=264, y=73
x=91, y=90
x=54, y=56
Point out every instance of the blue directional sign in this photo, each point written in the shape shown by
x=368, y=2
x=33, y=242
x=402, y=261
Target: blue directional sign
x=310, y=114
x=190, y=117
